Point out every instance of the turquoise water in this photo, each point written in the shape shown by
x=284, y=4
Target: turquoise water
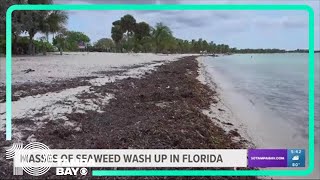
x=278, y=82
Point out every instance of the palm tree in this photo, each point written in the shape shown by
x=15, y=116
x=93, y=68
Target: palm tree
x=53, y=23
x=60, y=40
x=33, y=21
x=162, y=36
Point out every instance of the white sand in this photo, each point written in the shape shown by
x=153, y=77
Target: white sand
x=55, y=105
x=70, y=65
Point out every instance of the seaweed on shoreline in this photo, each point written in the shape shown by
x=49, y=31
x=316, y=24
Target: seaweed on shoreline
x=162, y=110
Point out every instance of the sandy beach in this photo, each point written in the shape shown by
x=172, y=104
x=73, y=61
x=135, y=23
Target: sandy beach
x=156, y=86
x=117, y=101
x=54, y=78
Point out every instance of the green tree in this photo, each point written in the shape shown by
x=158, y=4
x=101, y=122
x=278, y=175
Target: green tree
x=193, y=45
x=141, y=34
x=116, y=35
x=60, y=40
x=225, y=48
x=30, y=22
x=128, y=24
x=104, y=44
x=55, y=21
x=147, y=44
x=122, y=32
x=128, y=43
x=73, y=38
x=142, y=30
x=33, y=21
x=16, y=23
x=162, y=36
x=69, y=40
x=212, y=47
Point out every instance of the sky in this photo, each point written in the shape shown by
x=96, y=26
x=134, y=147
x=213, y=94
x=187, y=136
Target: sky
x=241, y=29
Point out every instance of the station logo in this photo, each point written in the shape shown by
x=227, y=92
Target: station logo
x=71, y=171
x=42, y=154
x=36, y=159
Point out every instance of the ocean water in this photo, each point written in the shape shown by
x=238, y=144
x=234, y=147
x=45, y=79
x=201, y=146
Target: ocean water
x=276, y=85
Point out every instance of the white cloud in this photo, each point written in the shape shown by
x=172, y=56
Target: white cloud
x=206, y=24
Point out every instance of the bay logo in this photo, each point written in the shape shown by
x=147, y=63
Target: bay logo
x=70, y=171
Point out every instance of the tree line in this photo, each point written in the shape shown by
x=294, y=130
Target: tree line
x=26, y=24
x=127, y=35
x=31, y=23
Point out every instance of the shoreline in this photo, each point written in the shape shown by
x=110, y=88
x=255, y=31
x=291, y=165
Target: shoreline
x=262, y=126
x=159, y=107
x=92, y=87
x=222, y=110
x=266, y=128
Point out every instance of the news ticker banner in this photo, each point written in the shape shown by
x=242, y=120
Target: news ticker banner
x=161, y=158
x=36, y=159
x=131, y=158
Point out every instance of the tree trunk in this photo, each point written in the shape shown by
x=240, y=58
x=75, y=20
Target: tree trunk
x=47, y=36
x=30, y=46
x=14, y=44
x=117, y=47
x=44, y=50
x=31, y=49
